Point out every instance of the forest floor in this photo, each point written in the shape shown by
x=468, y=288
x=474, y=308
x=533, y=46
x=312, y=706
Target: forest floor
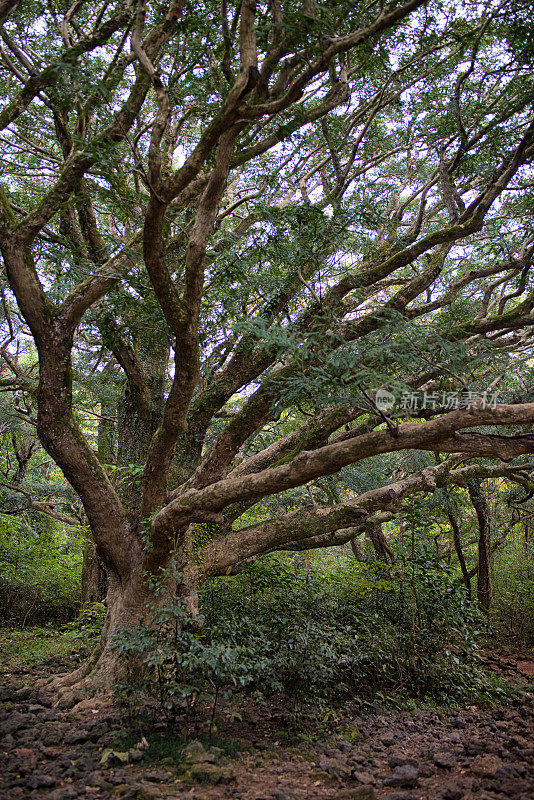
x=465, y=753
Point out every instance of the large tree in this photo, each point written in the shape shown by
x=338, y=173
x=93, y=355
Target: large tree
x=224, y=226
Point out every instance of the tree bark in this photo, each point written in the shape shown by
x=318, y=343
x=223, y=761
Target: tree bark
x=379, y=542
x=459, y=552
x=127, y=601
x=94, y=576
x=484, y=584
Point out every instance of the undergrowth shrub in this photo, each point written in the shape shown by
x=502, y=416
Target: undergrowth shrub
x=40, y=570
x=512, y=615
x=89, y=622
x=336, y=632
x=170, y=661
x=324, y=634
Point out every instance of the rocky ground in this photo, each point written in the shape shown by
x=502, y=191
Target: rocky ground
x=463, y=754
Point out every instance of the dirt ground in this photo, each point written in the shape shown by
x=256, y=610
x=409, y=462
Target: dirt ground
x=468, y=753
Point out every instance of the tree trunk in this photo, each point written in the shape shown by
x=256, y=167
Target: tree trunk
x=127, y=601
x=459, y=552
x=355, y=546
x=380, y=544
x=484, y=585
x=94, y=576
x=125, y=604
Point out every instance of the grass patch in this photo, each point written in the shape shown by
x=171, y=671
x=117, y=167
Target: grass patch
x=28, y=646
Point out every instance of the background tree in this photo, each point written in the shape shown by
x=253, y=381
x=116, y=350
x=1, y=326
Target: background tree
x=220, y=219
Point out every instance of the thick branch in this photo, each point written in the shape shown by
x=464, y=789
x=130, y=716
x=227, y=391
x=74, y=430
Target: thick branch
x=308, y=528
x=434, y=435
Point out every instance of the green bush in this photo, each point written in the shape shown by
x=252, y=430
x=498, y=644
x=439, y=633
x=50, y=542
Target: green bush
x=89, y=622
x=168, y=660
x=322, y=635
x=354, y=629
x=40, y=571
x=512, y=615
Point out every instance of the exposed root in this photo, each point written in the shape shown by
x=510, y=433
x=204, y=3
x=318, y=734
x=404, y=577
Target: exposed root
x=79, y=693
x=93, y=677
x=60, y=682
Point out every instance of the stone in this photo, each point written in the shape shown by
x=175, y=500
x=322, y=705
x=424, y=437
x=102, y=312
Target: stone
x=39, y=780
x=426, y=769
x=122, y=789
x=97, y=778
x=36, y=708
x=399, y=760
x=474, y=747
x=402, y=796
x=157, y=776
x=24, y=693
x=486, y=766
x=210, y=773
x=110, y=757
x=146, y=792
x=360, y=793
x=512, y=787
x=280, y=794
x=77, y=736
x=53, y=733
x=120, y=776
x=336, y=767
x=64, y=793
x=27, y=759
x=15, y=722
x=444, y=760
x=363, y=777
x=43, y=700
x=193, y=748
x=404, y=777
x=324, y=777
x=195, y=753
x=453, y=791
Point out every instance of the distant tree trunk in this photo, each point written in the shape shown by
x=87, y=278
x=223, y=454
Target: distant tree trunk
x=94, y=573
x=484, y=587
x=94, y=576
x=379, y=542
x=355, y=546
x=459, y=552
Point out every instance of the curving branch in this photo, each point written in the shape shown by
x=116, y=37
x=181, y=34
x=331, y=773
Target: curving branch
x=325, y=527
x=439, y=435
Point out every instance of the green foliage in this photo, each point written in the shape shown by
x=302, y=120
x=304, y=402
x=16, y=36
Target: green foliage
x=88, y=624
x=354, y=629
x=512, y=615
x=40, y=571
x=31, y=645
x=170, y=660
x=322, y=635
